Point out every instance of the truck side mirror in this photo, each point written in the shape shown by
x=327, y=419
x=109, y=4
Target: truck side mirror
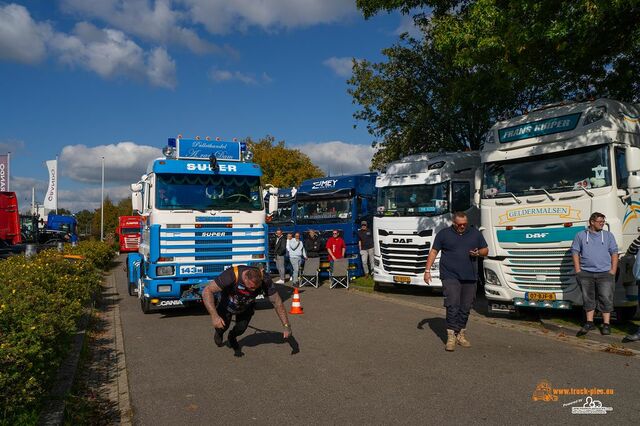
x=273, y=200
x=633, y=181
x=136, y=197
x=477, y=184
x=632, y=158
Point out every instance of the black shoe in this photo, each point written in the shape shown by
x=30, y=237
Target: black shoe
x=585, y=329
x=217, y=338
x=632, y=337
x=233, y=343
x=605, y=330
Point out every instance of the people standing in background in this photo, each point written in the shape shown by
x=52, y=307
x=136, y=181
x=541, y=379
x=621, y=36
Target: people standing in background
x=295, y=248
x=633, y=251
x=365, y=243
x=336, y=246
x=595, y=259
x=280, y=250
x=312, y=245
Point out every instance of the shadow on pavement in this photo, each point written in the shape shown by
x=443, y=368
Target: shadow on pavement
x=437, y=325
x=264, y=337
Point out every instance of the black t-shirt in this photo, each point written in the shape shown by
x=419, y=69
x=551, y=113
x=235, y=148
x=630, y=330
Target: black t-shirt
x=235, y=296
x=366, y=237
x=455, y=261
x=312, y=246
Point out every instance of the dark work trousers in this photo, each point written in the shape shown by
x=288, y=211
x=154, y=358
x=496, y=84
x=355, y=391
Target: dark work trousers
x=242, y=320
x=458, y=299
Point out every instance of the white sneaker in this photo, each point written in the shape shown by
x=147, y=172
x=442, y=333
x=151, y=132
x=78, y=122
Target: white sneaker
x=279, y=281
x=260, y=296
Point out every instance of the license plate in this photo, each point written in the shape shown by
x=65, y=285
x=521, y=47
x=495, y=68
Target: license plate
x=540, y=296
x=325, y=264
x=401, y=279
x=190, y=269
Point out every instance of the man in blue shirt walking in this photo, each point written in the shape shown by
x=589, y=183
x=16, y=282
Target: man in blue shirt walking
x=595, y=259
x=461, y=246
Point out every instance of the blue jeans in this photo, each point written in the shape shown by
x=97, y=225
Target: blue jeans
x=295, y=264
x=458, y=299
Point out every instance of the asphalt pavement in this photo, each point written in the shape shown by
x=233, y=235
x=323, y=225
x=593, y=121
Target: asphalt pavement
x=364, y=359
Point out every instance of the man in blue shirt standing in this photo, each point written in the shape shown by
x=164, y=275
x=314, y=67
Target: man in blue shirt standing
x=461, y=246
x=595, y=259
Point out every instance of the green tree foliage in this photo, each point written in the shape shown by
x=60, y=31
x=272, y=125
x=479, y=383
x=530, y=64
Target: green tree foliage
x=85, y=219
x=282, y=166
x=111, y=214
x=480, y=60
x=125, y=207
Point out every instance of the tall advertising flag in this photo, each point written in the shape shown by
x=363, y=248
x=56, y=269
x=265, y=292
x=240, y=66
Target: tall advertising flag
x=4, y=172
x=51, y=197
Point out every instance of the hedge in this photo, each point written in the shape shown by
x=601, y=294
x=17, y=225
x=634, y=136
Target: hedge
x=41, y=301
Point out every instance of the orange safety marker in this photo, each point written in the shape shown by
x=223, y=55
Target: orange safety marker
x=296, y=307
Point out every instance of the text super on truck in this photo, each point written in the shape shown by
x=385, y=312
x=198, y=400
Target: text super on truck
x=203, y=213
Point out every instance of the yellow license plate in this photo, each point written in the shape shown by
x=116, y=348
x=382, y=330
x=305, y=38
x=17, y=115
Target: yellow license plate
x=541, y=296
x=325, y=264
x=401, y=279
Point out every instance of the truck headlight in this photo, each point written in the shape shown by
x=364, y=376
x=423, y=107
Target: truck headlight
x=491, y=278
x=165, y=270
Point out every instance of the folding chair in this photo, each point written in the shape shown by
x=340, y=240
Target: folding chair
x=340, y=273
x=310, y=272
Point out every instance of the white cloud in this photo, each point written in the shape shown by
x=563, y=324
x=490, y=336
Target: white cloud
x=21, y=38
x=158, y=20
x=110, y=53
x=408, y=25
x=341, y=66
x=124, y=162
x=107, y=52
x=221, y=76
x=224, y=16
x=11, y=145
x=337, y=157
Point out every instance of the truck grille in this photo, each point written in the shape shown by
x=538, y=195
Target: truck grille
x=539, y=269
x=404, y=258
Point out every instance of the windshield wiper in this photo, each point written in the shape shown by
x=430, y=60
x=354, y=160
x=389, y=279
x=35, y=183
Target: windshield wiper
x=573, y=188
x=519, y=201
x=545, y=191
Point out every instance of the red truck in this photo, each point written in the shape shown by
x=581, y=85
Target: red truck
x=129, y=233
x=9, y=219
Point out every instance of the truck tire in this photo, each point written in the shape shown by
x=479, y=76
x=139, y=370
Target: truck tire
x=133, y=289
x=145, y=305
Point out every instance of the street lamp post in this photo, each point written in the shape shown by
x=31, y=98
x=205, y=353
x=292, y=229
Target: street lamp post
x=102, y=205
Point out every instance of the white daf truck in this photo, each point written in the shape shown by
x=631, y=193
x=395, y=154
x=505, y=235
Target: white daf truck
x=416, y=198
x=544, y=174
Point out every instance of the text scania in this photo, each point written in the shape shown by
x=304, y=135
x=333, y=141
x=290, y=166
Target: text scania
x=205, y=167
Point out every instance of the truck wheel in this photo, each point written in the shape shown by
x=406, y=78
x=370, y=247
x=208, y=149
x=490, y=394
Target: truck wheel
x=145, y=305
x=626, y=313
x=133, y=289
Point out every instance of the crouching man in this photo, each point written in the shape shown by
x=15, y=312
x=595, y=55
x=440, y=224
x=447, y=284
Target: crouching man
x=235, y=291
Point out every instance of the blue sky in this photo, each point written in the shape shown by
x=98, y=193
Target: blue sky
x=85, y=78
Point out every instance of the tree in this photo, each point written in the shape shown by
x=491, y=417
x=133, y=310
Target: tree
x=110, y=219
x=125, y=207
x=480, y=60
x=282, y=167
x=85, y=219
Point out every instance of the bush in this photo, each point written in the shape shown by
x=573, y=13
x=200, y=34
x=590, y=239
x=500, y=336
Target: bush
x=41, y=301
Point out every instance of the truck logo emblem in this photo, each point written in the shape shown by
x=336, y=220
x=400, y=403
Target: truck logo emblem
x=403, y=240
x=536, y=235
x=328, y=183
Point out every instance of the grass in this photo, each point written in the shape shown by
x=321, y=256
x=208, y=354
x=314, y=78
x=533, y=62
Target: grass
x=363, y=283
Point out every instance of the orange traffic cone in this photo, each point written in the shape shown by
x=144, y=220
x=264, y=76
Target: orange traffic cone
x=296, y=307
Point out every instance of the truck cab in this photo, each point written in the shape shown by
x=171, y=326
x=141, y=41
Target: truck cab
x=544, y=174
x=128, y=230
x=203, y=212
x=417, y=196
x=336, y=203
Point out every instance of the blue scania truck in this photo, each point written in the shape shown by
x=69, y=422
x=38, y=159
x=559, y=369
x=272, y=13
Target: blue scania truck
x=337, y=202
x=203, y=212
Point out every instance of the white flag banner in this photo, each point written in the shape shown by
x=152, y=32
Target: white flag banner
x=51, y=197
x=4, y=172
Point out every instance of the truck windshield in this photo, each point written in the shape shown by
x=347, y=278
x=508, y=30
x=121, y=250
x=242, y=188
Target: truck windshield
x=283, y=215
x=554, y=172
x=129, y=231
x=334, y=210
x=208, y=192
x=414, y=200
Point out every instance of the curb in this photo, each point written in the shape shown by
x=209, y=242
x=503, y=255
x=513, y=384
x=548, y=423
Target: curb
x=122, y=388
x=582, y=343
